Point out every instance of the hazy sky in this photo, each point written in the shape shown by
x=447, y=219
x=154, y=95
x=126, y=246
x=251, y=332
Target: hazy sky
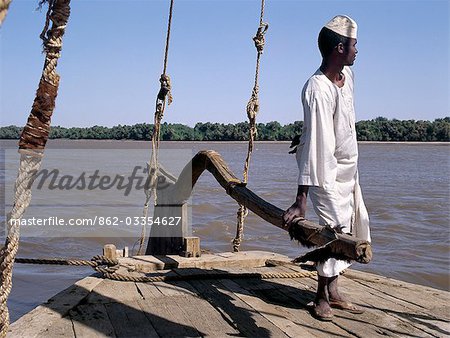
x=113, y=54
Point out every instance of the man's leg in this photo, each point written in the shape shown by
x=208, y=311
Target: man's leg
x=322, y=309
x=336, y=300
x=332, y=288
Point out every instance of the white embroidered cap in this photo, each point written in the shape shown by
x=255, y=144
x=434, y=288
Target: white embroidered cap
x=343, y=25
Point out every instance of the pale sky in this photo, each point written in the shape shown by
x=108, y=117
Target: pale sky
x=112, y=58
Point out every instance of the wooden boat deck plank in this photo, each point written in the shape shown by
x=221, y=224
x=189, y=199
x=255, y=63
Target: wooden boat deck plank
x=387, y=310
x=111, y=291
x=276, y=314
x=201, y=314
x=43, y=316
x=175, y=288
x=413, y=296
x=347, y=324
x=59, y=328
x=206, y=261
x=275, y=292
x=369, y=323
x=219, y=306
x=266, y=310
x=431, y=317
x=167, y=317
x=298, y=312
x=204, y=317
x=91, y=320
x=421, y=322
x=137, y=324
x=410, y=295
x=249, y=322
x=148, y=290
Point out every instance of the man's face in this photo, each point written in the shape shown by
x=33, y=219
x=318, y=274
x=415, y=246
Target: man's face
x=350, y=52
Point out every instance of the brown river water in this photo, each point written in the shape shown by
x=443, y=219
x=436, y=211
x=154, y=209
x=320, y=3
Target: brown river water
x=405, y=186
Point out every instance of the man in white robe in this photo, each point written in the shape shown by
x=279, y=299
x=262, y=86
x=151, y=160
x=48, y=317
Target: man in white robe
x=327, y=156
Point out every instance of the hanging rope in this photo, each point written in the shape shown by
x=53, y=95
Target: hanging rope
x=164, y=95
x=252, y=111
x=31, y=145
x=4, y=4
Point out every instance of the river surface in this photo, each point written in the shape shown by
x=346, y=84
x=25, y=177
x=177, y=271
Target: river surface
x=405, y=186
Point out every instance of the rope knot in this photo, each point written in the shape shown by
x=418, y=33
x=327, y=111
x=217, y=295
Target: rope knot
x=104, y=264
x=259, y=37
x=241, y=214
x=253, y=104
x=165, y=89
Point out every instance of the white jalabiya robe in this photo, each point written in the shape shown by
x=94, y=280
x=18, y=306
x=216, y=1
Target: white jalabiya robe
x=328, y=158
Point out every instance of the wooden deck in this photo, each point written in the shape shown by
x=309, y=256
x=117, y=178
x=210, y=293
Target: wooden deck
x=96, y=307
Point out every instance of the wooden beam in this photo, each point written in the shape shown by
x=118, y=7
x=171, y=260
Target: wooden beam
x=307, y=232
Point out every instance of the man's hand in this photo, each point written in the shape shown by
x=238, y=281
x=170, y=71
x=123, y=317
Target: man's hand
x=298, y=209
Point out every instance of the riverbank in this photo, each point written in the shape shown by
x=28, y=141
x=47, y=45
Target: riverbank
x=379, y=129
x=11, y=143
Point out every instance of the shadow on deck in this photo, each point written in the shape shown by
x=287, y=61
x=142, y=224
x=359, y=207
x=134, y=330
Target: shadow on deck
x=251, y=307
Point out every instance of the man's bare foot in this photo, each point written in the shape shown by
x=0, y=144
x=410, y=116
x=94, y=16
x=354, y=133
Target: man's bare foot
x=336, y=300
x=322, y=310
x=332, y=288
x=346, y=306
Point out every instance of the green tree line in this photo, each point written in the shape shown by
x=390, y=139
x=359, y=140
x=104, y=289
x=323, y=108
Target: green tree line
x=379, y=129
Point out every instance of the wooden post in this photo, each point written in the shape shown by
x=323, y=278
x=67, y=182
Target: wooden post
x=109, y=251
x=191, y=247
x=122, y=252
x=170, y=222
x=169, y=228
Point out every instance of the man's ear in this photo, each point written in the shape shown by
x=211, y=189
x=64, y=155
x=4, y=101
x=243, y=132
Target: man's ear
x=340, y=48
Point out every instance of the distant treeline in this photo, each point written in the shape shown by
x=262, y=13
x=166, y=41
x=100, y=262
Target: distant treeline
x=379, y=129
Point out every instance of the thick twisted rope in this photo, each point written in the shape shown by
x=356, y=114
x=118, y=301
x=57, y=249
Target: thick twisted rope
x=99, y=263
x=108, y=268
x=31, y=144
x=209, y=275
x=22, y=197
x=165, y=93
x=252, y=111
x=4, y=5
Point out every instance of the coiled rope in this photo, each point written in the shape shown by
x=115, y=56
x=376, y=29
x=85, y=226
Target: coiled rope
x=252, y=111
x=31, y=145
x=165, y=93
